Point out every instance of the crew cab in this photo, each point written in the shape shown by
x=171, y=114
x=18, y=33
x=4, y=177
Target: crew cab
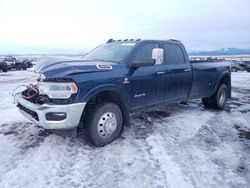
x=98, y=92
x=245, y=65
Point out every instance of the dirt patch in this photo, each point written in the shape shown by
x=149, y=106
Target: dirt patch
x=235, y=103
x=243, y=134
x=245, y=111
x=241, y=90
x=142, y=125
x=26, y=134
x=158, y=114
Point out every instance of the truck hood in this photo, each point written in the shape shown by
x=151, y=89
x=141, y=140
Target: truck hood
x=59, y=67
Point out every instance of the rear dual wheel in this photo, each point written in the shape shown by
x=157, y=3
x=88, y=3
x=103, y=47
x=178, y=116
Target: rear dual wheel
x=218, y=100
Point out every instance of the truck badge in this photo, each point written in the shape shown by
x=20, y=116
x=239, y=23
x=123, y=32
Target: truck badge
x=104, y=67
x=126, y=81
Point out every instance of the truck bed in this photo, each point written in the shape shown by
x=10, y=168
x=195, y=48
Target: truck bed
x=206, y=76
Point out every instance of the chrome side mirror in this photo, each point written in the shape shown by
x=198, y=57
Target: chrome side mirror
x=158, y=54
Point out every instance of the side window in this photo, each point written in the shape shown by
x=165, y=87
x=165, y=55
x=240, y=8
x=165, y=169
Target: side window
x=145, y=52
x=173, y=54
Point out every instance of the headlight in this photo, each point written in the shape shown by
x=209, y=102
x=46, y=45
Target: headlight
x=56, y=90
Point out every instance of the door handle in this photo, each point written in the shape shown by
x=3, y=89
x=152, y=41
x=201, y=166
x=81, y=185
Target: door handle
x=187, y=70
x=160, y=72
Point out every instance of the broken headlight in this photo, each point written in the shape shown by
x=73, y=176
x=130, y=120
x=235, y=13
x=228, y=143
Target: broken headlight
x=56, y=90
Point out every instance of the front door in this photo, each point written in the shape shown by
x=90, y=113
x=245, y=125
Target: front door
x=143, y=81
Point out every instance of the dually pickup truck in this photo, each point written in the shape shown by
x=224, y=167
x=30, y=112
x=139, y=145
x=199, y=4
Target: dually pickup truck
x=98, y=92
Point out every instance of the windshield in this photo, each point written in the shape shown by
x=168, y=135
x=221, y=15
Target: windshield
x=114, y=52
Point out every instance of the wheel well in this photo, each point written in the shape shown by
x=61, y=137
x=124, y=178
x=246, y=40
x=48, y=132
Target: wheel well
x=226, y=80
x=107, y=96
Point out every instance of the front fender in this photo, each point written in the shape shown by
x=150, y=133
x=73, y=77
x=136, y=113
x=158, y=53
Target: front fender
x=124, y=97
x=107, y=87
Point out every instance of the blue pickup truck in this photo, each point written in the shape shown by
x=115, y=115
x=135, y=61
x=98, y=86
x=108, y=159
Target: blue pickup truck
x=98, y=92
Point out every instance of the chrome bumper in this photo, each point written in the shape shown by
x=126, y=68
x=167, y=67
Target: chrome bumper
x=73, y=114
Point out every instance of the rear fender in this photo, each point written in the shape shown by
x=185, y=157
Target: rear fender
x=226, y=75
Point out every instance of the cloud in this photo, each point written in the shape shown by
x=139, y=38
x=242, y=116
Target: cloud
x=81, y=24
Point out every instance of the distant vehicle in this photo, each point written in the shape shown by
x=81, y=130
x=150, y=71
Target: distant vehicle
x=13, y=63
x=97, y=93
x=197, y=59
x=236, y=66
x=246, y=65
x=3, y=67
x=28, y=63
x=214, y=59
x=204, y=59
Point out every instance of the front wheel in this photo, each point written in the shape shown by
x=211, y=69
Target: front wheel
x=103, y=123
x=218, y=100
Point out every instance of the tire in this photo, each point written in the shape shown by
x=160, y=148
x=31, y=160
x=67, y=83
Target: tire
x=103, y=123
x=24, y=67
x=4, y=67
x=18, y=67
x=218, y=100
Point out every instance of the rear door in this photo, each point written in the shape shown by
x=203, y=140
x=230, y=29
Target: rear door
x=179, y=72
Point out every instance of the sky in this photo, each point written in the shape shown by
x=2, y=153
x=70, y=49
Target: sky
x=33, y=26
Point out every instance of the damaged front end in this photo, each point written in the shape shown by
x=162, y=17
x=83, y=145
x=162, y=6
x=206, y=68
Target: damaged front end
x=52, y=101
x=51, y=106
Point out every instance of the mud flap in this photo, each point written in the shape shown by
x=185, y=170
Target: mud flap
x=125, y=117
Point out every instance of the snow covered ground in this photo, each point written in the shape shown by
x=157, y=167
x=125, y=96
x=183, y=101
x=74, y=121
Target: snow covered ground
x=173, y=146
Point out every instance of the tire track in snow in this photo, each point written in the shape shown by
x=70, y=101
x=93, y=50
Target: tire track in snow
x=173, y=175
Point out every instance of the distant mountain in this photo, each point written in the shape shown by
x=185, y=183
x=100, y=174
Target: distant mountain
x=225, y=51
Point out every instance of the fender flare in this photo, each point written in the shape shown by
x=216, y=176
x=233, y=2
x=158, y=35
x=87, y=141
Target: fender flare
x=223, y=75
x=124, y=97
x=106, y=87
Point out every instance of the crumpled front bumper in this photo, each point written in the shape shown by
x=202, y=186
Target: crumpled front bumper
x=37, y=113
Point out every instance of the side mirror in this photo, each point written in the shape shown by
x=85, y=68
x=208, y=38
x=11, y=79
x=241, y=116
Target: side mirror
x=142, y=63
x=158, y=54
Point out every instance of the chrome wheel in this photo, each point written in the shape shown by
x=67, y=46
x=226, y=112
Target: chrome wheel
x=222, y=95
x=107, y=125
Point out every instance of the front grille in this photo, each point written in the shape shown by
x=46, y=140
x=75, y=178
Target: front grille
x=28, y=111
